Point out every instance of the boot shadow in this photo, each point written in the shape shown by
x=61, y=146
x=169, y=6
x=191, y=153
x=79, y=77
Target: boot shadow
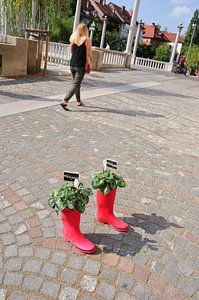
x=132, y=242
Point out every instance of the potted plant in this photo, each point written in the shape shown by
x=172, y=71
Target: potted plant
x=106, y=183
x=71, y=201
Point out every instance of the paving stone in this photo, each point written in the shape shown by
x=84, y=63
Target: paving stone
x=59, y=258
x=23, y=240
x=21, y=229
x=109, y=273
x=32, y=266
x=11, y=250
x=48, y=232
x=185, y=269
x=70, y=276
x=25, y=252
x=125, y=281
x=50, y=289
x=76, y=262
x=14, y=219
x=3, y=293
x=4, y=227
x=172, y=276
x=106, y=291
x=50, y=270
x=18, y=296
x=88, y=298
x=188, y=287
x=42, y=253
x=37, y=298
x=13, y=279
x=8, y=238
x=142, y=292
x=2, y=218
x=1, y=263
x=9, y=211
x=88, y=283
x=68, y=293
x=192, y=249
x=124, y=296
x=92, y=267
x=14, y=264
x=142, y=258
x=32, y=283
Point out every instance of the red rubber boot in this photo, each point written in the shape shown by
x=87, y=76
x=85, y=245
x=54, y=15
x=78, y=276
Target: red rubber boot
x=71, y=231
x=105, y=212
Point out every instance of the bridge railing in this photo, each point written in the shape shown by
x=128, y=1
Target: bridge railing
x=114, y=59
x=151, y=63
x=58, y=53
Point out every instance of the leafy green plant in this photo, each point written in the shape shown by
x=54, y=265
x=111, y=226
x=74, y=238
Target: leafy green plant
x=68, y=196
x=106, y=180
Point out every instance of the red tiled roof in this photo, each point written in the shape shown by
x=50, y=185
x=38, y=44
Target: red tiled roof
x=150, y=31
x=122, y=13
x=172, y=36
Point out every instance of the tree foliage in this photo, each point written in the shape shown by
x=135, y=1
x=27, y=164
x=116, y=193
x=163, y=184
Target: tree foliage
x=188, y=35
x=162, y=52
x=193, y=58
x=55, y=15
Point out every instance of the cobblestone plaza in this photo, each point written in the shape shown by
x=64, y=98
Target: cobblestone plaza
x=149, y=123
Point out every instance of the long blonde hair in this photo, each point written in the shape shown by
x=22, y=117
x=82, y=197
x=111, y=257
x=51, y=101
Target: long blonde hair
x=81, y=30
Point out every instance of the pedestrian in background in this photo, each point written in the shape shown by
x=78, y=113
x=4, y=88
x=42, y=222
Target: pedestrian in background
x=80, y=62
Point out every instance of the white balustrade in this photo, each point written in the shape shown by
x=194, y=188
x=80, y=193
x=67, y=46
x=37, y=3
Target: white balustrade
x=151, y=63
x=58, y=53
x=114, y=59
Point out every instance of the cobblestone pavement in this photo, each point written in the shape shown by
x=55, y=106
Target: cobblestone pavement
x=153, y=134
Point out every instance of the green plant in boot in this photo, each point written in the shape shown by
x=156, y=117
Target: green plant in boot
x=107, y=180
x=69, y=196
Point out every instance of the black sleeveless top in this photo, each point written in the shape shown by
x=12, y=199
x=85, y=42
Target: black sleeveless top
x=78, y=58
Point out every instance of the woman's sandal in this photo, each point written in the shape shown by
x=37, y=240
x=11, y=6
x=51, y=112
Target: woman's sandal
x=64, y=106
x=80, y=103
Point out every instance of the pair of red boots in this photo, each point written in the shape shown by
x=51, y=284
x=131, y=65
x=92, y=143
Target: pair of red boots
x=105, y=214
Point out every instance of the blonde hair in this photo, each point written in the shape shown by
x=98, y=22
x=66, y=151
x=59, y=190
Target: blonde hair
x=81, y=30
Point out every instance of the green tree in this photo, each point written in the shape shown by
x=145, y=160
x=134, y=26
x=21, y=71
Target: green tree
x=193, y=59
x=189, y=32
x=162, y=52
x=146, y=51
x=55, y=15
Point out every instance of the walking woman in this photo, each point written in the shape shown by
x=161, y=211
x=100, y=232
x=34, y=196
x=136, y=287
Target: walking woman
x=80, y=62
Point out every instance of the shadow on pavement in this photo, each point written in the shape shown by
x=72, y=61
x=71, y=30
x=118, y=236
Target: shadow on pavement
x=127, y=112
x=131, y=243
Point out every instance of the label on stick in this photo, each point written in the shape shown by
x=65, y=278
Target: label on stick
x=70, y=176
x=109, y=163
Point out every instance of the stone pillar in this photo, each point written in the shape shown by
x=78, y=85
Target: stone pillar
x=175, y=44
x=77, y=14
x=132, y=27
x=136, y=42
x=103, y=32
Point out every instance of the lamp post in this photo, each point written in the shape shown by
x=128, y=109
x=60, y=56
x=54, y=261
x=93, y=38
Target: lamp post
x=176, y=43
x=103, y=32
x=132, y=27
x=140, y=24
x=92, y=29
x=77, y=14
x=194, y=26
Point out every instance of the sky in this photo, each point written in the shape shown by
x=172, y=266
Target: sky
x=167, y=13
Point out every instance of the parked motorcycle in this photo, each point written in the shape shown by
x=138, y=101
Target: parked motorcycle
x=182, y=70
